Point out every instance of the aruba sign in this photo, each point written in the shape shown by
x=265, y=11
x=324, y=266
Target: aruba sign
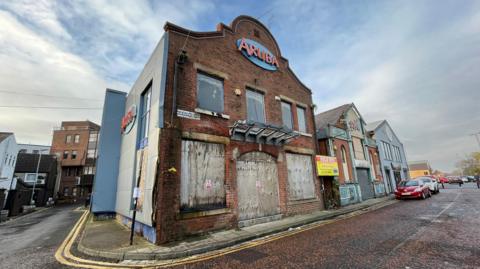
x=129, y=120
x=257, y=54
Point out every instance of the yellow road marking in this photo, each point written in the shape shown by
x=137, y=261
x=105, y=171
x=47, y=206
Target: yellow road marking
x=64, y=256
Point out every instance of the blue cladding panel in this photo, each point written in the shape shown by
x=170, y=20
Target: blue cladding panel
x=105, y=183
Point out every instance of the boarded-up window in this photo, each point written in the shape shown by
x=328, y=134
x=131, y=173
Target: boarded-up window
x=300, y=177
x=358, y=148
x=202, y=176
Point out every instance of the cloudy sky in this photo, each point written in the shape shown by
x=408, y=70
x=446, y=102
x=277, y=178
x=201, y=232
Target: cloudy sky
x=415, y=63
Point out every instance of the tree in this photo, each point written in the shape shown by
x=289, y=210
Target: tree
x=470, y=165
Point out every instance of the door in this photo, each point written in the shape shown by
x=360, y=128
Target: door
x=366, y=186
x=389, y=181
x=257, y=186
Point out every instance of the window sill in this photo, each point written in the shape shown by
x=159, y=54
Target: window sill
x=198, y=214
x=303, y=134
x=302, y=201
x=211, y=113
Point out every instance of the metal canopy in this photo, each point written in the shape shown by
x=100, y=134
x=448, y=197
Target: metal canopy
x=257, y=132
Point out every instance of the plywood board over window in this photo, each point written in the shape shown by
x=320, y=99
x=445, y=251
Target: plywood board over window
x=300, y=177
x=202, y=176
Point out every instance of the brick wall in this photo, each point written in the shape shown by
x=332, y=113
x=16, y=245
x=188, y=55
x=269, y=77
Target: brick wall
x=338, y=143
x=216, y=54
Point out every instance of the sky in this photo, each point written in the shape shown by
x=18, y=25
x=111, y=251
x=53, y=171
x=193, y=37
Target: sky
x=414, y=63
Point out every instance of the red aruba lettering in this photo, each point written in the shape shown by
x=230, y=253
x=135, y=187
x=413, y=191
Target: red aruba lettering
x=260, y=54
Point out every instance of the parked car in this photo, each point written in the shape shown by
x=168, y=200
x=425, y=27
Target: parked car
x=414, y=188
x=443, y=180
x=431, y=182
x=464, y=179
x=455, y=180
x=471, y=178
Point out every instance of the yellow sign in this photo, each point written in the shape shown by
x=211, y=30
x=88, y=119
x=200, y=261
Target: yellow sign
x=419, y=173
x=326, y=166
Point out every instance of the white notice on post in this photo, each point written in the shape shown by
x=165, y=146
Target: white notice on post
x=136, y=192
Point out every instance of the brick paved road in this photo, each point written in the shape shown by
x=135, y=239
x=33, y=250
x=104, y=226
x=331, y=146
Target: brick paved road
x=440, y=232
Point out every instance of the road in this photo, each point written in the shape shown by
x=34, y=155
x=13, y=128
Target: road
x=440, y=232
x=31, y=240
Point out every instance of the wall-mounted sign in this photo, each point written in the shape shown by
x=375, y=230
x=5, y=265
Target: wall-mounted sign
x=188, y=114
x=257, y=54
x=128, y=121
x=326, y=165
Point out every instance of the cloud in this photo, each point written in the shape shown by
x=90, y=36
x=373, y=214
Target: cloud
x=75, y=49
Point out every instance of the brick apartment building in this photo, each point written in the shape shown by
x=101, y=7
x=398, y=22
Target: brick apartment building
x=217, y=133
x=75, y=144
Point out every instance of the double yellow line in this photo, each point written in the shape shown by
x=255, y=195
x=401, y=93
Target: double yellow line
x=64, y=255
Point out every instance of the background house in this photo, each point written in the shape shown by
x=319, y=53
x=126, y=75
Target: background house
x=8, y=158
x=392, y=154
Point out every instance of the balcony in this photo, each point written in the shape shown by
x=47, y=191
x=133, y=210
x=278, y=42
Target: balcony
x=86, y=180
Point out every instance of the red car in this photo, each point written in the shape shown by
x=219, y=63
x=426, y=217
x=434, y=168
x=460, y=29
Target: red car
x=443, y=180
x=414, y=188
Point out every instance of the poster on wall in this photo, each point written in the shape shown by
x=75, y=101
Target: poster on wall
x=143, y=173
x=326, y=165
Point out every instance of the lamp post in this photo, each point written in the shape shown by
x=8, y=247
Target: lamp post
x=32, y=202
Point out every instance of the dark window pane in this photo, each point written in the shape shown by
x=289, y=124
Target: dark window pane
x=209, y=93
x=255, y=106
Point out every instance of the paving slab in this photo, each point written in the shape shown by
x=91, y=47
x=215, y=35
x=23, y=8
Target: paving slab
x=110, y=239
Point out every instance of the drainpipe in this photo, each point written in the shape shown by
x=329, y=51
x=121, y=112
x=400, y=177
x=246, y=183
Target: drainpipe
x=317, y=150
x=180, y=60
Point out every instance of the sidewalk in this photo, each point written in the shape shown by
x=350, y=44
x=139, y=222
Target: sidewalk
x=110, y=239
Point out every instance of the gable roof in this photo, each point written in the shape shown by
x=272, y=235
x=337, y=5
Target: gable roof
x=372, y=126
x=330, y=117
x=4, y=135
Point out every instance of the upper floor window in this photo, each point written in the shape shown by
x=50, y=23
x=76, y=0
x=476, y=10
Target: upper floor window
x=65, y=154
x=74, y=154
x=68, y=139
x=388, y=150
x=255, y=106
x=77, y=138
x=287, y=115
x=23, y=151
x=91, y=153
x=209, y=93
x=35, y=151
x=302, y=122
x=145, y=116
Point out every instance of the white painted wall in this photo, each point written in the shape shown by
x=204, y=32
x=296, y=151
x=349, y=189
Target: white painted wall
x=8, y=159
x=30, y=148
x=129, y=158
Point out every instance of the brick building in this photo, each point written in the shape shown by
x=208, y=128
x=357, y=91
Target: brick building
x=218, y=133
x=341, y=134
x=75, y=144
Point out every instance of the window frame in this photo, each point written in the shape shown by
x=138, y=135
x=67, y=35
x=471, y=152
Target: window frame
x=76, y=138
x=215, y=78
x=68, y=139
x=74, y=154
x=259, y=93
x=304, y=113
x=291, y=114
x=66, y=153
x=145, y=109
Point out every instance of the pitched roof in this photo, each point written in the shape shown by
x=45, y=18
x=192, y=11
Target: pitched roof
x=372, y=126
x=420, y=165
x=27, y=162
x=330, y=116
x=4, y=135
